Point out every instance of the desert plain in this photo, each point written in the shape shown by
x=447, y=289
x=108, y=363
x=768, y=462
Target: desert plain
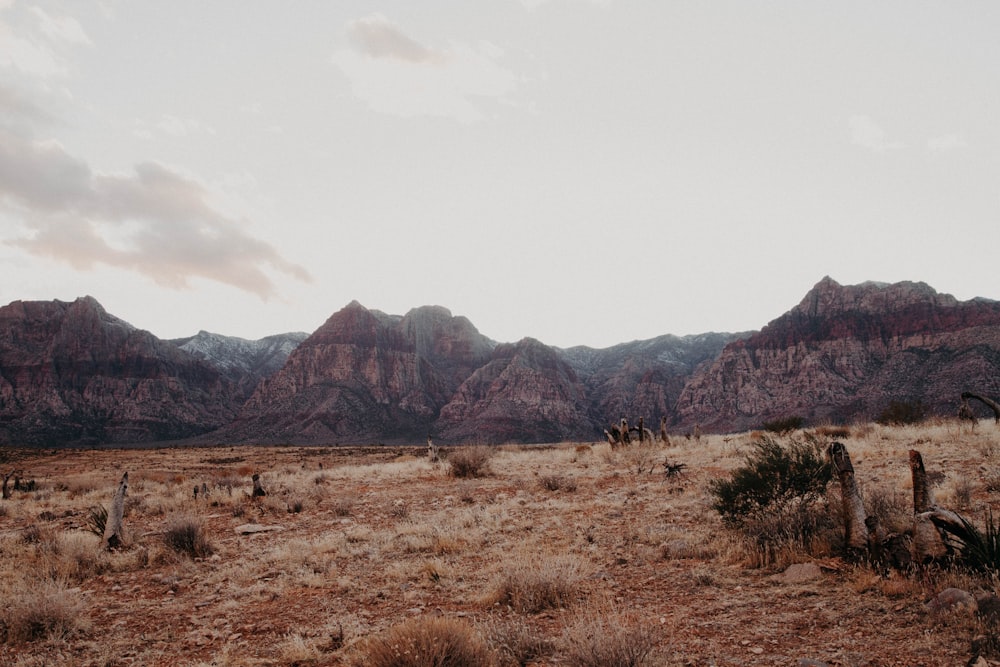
x=563, y=554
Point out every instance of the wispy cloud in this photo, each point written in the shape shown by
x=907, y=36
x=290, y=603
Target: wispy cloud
x=946, y=142
x=535, y=4
x=866, y=133
x=396, y=74
x=33, y=42
x=171, y=126
x=153, y=221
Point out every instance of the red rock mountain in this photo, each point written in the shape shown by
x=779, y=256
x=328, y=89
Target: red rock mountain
x=70, y=373
x=844, y=353
x=365, y=375
x=525, y=393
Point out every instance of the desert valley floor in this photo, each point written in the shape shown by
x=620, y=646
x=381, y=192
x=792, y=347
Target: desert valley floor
x=548, y=549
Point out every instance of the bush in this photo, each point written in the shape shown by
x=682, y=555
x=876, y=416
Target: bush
x=468, y=462
x=515, y=641
x=773, y=498
x=977, y=550
x=557, y=483
x=783, y=425
x=899, y=413
x=186, y=536
x=427, y=641
x=603, y=640
x=97, y=519
x=41, y=610
x=530, y=585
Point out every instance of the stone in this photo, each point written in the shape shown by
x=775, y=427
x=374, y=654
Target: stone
x=951, y=600
x=253, y=528
x=800, y=573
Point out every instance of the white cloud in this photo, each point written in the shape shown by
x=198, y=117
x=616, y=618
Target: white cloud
x=866, y=133
x=946, y=142
x=154, y=221
x=33, y=47
x=61, y=28
x=28, y=56
x=395, y=74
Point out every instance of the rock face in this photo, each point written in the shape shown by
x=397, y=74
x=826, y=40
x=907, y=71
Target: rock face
x=524, y=393
x=643, y=378
x=844, y=353
x=365, y=375
x=244, y=362
x=70, y=373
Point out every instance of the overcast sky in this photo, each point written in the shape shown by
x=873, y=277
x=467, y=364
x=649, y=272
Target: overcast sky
x=579, y=171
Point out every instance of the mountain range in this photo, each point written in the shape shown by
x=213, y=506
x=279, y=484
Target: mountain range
x=72, y=374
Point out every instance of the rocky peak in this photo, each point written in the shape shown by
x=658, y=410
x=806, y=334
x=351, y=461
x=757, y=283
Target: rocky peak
x=828, y=298
x=244, y=362
x=845, y=352
x=72, y=373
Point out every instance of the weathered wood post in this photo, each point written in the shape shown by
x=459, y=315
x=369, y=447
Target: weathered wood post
x=923, y=500
x=856, y=532
x=258, y=488
x=928, y=543
x=664, y=438
x=642, y=431
x=433, y=454
x=113, y=537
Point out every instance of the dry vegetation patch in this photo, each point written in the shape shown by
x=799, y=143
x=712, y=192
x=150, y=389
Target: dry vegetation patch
x=572, y=554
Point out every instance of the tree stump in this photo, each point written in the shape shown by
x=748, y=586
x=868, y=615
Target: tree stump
x=923, y=500
x=258, y=489
x=853, y=508
x=113, y=538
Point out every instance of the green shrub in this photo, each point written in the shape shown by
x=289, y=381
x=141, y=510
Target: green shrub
x=772, y=479
x=977, y=550
x=776, y=499
x=97, y=518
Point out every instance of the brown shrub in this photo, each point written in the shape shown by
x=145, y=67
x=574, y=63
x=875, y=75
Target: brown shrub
x=185, y=535
x=515, y=642
x=427, y=641
x=529, y=585
x=601, y=639
x=468, y=462
x=39, y=611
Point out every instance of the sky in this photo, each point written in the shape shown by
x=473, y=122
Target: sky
x=584, y=172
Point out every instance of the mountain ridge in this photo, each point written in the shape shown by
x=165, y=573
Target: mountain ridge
x=71, y=373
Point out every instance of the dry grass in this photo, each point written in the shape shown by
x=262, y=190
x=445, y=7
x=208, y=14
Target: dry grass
x=427, y=641
x=522, y=561
x=602, y=637
x=470, y=462
x=530, y=583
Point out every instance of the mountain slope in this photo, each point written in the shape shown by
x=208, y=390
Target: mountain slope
x=244, y=362
x=365, y=375
x=72, y=373
x=844, y=353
